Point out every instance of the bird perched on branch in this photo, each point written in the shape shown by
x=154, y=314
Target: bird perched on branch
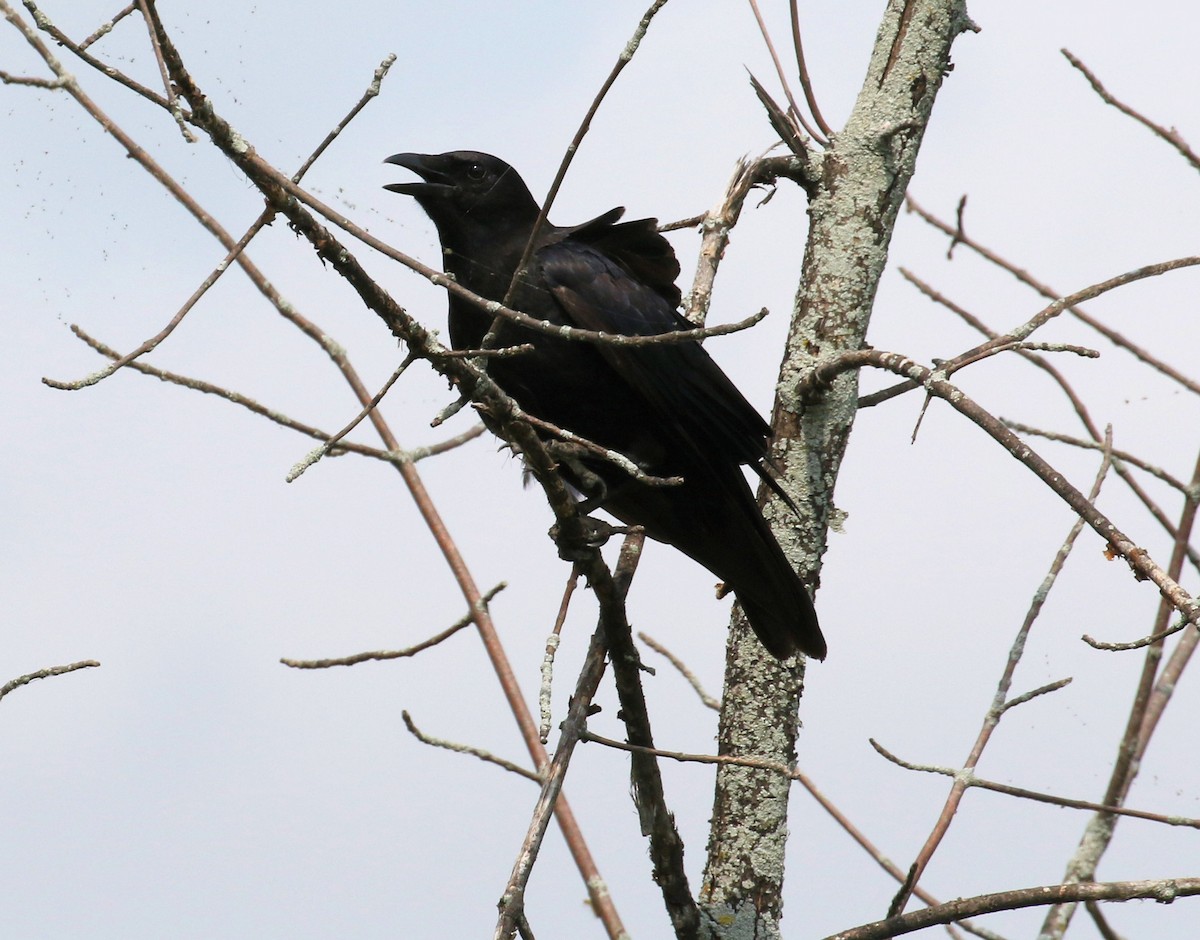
x=668, y=407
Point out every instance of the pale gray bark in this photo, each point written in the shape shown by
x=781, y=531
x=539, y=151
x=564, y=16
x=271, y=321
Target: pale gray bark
x=858, y=184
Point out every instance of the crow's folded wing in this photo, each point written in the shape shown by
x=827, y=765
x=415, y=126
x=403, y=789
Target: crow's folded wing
x=681, y=385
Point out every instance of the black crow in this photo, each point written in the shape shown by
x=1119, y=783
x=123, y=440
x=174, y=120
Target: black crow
x=668, y=407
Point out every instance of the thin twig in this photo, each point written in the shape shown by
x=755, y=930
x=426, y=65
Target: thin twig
x=458, y=748
x=806, y=82
x=326, y=446
x=1049, y=686
x=631, y=47
x=1123, y=455
x=1170, y=135
x=1150, y=639
x=31, y=81
x=690, y=222
x=1102, y=925
x=394, y=457
x=552, y=641
x=1001, y=701
x=172, y=99
x=79, y=50
x=1077, y=405
x=617, y=459
x=466, y=620
x=372, y=92
x=794, y=111
x=106, y=28
x=154, y=341
x=965, y=778
x=1071, y=302
x=681, y=667
x=46, y=673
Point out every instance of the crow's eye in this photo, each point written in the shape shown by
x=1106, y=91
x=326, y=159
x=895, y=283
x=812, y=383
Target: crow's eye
x=476, y=172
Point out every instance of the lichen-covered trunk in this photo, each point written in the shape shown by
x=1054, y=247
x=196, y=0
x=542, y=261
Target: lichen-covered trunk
x=856, y=191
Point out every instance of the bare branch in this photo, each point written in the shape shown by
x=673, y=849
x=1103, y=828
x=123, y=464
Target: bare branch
x=379, y=655
x=1061, y=683
x=1164, y=891
x=965, y=778
x=29, y=677
x=8, y=78
x=1123, y=455
x=237, y=398
x=1170, y=135
x=717, y=224
x=681, y=667
x=802, y=70
x=326, y=446
x=43, y=23
x=512, y=901
x=1138, y=559
x=106, y=28
x=458, y=748
x=623, y=60
x=1076, y=403
x=154, y=341
x=552, y=641
x=794, y=111
x=1071, y=301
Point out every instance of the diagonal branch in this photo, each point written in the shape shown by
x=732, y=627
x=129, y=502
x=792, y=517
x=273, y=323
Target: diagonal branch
x=1139, y=560
x=1001, y=702
x=1171, y=135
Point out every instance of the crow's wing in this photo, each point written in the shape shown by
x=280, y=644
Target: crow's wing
x=679, y=382
x=637, y=247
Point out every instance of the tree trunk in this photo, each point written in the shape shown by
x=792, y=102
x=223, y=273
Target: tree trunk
x=857, y=187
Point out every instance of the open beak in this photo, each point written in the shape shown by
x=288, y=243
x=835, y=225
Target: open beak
x=433, y=181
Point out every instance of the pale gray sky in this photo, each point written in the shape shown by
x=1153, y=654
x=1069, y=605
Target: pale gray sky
x=194, y=788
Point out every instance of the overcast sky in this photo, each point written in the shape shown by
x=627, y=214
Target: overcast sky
x=192, y=787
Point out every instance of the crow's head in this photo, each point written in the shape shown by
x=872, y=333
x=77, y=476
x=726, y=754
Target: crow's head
x=466, y=188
